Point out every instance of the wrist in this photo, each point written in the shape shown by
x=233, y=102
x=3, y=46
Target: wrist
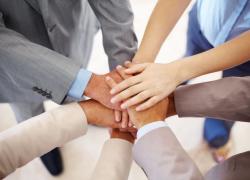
x=87, y=109
x=92, y=85
x=171, y=111
x=142, y=58
x=140, y=124
x=189, y=68
x=117, y=134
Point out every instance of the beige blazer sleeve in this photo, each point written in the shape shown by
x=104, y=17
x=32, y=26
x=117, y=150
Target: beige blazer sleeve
x=227, y=98
x=115, y=161
x=161, y=157
x=38, y=135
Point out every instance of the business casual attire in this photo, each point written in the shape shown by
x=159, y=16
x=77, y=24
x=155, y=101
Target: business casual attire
x=45, y=46
x=33, y=138
x=160, y=154
x=211, y=23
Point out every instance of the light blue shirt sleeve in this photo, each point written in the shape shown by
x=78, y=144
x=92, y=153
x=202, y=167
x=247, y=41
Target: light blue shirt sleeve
x=150, y=127
x=80, y=83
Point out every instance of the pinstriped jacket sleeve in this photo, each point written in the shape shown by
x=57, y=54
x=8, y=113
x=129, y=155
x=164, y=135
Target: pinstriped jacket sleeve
x=31, y=70
x=38, y=135
x=116, y=19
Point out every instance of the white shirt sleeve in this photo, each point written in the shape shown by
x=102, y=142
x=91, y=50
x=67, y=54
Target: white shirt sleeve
x=150, y=127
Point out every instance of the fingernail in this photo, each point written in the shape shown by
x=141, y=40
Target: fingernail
x=112, y=91
x=112, y=100
x=119, y=67
x=124, y=106
x=107, y=78
x=138, y=108
x=127, y=62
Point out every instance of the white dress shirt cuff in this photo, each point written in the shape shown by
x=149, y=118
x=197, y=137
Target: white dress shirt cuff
x=150, y=127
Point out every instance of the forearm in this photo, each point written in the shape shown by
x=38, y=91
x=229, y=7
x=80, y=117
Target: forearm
x=232, y=53
x=164, y=17
x=227, y=98
x=39, y=135
x=119, y=39
x=30, y=69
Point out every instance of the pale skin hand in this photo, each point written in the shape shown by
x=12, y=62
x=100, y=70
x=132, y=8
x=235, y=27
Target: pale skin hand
x=159, y=27
x=153, y=84
x=156, y=81
x=139, y=119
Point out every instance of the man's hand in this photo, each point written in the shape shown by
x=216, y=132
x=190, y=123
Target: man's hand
x=99, y=115
x=171, y=107
x=98, y=89
x=116, y=133
x=155, y=113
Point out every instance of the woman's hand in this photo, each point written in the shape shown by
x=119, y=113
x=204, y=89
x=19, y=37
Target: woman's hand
x=151, y=84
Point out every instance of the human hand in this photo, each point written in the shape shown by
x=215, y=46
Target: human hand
x=98, y=114
x=128, y=136
x=98, y=90
x=139, y=119
x=151, y=84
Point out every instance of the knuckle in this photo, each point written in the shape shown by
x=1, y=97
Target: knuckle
x=143, y=95
x=130, y=81
x=128, y=92
x=153, y=101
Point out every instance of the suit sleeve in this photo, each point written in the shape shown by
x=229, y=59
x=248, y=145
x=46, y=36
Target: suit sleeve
x=28, y=69
x=116, y=19
x=227, y=99
x=37, y=136
x=115, y=161
x=161, y=157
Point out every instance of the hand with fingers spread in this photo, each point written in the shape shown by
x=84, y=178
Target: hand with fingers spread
x=150, y=84
x=139, y=119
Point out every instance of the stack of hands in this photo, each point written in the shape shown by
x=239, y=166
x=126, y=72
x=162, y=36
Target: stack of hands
x=129, y=105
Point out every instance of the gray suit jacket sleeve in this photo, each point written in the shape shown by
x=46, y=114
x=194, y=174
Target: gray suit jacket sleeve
x=228, y=98
x=116, y=19
x=161, y=157
x=26, y=67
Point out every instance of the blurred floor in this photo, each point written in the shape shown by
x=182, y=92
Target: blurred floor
x=81, y=154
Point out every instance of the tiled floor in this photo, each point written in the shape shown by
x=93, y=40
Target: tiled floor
x=81, y=154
